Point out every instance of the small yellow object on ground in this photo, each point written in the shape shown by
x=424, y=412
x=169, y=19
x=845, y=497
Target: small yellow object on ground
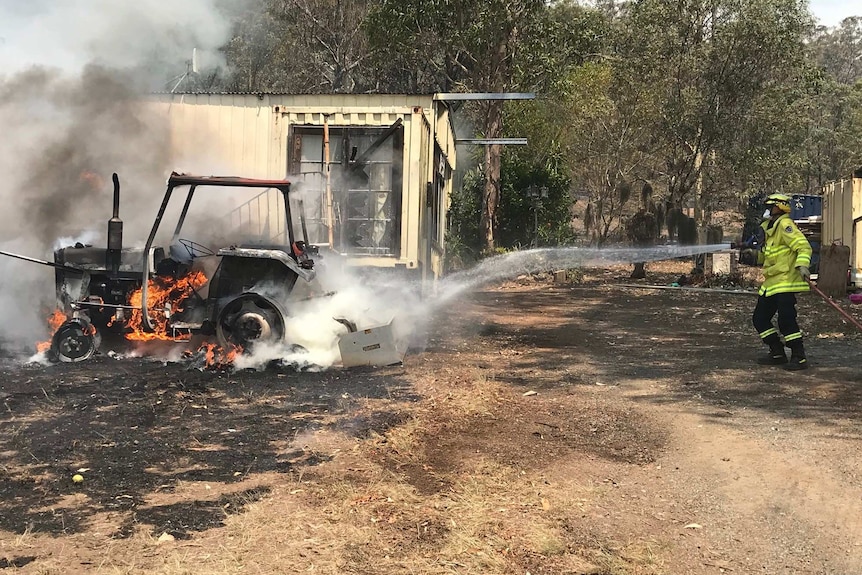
x=78, y=478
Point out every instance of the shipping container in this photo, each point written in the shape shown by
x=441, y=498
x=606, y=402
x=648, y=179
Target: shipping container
x=374, y=171
x=842, y=219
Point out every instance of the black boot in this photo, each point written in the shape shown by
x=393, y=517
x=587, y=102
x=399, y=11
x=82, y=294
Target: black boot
x=776, y=354
x=798, y=360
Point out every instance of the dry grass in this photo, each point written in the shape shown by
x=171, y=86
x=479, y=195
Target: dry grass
x=459, y=472
x=491, y=519
x=358, y=514
x=633, y=558
x=362, y=512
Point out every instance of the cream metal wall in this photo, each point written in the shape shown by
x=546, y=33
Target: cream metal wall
x=222, y=134
x=842, y=220
x=422, y=136
x=248, y=134
x=444, y=136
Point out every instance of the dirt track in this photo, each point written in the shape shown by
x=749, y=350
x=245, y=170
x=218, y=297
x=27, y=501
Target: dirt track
x=652, y=444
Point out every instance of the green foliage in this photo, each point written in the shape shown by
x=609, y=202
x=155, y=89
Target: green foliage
x=449, y=44
x=525, y=221
x=712, y=66
x=702, y=102
x=463, y=241
x=484, y=46
x=300, y=46
x=836, y=50
x=558, y=40
x=601, y=136
x=517, y=227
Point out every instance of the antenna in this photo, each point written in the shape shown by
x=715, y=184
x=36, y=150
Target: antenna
x=190, y=73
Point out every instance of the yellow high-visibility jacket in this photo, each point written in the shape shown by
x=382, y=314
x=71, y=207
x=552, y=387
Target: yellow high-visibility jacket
x=785, y=249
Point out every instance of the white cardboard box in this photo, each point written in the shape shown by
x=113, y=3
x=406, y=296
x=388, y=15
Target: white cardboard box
x=724, y=262
x=375, y=346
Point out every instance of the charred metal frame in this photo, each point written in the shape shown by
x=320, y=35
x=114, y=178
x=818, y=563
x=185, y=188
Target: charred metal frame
x=359, y=163
x=176, y=180
x=353, y=165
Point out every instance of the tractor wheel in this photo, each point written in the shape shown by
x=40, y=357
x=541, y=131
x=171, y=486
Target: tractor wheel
x=249, y=319
x=75, y=340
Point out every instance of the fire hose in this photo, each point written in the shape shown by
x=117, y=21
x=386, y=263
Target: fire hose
x=837, y=307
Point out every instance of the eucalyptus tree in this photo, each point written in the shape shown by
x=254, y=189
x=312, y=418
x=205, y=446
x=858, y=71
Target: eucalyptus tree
x=834, y=127
x=804, y=130
x=255, y=50
x=332, y=35
x=601, y=123
x=710, y=64
x=301, y=46
x=489, y=46
x=838, y=50
x=603, y=131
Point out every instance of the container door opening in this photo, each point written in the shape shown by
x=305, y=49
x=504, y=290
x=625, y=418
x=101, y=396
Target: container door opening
x=363, y=186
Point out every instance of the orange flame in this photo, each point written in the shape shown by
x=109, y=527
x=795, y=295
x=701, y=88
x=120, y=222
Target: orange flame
x=217, y=357
x=93, y=179
x=55, y=320
x=161, y=291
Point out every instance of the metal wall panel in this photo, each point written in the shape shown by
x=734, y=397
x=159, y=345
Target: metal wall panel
x=842, y=220
x=247, y=134
x=219, y=134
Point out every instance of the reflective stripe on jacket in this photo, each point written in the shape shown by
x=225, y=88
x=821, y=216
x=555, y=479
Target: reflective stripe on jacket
x=785, y=249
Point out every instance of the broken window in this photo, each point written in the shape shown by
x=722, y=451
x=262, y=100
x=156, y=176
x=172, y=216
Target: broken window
x=363, y=186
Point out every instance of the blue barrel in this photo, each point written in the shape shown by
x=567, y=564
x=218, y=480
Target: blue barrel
x=802, y=206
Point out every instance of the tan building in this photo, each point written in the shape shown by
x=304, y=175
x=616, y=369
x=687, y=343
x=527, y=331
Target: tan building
x=842, y=219
x=374, y=172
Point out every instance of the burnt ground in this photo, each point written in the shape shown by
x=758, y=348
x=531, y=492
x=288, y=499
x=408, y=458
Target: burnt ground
x=141, y=426
x=549, y=428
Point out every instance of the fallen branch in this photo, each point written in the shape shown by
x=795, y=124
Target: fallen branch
x=552, y=426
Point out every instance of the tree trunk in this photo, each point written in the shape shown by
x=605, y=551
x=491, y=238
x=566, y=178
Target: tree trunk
x=493, y=162
x=699, y=203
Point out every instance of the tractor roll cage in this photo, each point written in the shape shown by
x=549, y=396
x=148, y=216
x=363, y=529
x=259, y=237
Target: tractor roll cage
x=175, y=180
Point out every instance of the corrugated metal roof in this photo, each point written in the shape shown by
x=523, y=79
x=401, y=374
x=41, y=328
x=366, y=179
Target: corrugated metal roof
x=203, y=93
x=226, y=93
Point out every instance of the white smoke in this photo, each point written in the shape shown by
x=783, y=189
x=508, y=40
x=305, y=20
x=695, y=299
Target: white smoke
x=71, y=34
x=312, y=330
x=71, y=74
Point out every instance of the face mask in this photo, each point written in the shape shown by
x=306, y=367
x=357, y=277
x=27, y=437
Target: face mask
x=767, y=214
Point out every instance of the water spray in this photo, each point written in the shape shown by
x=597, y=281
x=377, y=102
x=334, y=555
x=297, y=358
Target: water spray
x=531, y=261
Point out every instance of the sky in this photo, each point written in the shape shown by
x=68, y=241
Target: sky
x=68, y=34
x=831, y=12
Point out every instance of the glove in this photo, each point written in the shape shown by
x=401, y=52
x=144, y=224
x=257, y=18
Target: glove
x=804, y=272
x=748, y=257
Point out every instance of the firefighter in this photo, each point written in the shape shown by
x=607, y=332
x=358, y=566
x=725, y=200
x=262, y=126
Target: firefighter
x=786, y=257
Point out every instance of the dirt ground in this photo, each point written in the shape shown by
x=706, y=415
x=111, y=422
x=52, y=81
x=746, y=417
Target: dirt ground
x=542, y=428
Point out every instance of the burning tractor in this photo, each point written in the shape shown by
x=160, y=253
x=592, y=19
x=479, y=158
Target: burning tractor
x=226, y=295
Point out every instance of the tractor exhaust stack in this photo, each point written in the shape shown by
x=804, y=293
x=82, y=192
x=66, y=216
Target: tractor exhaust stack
x=115, y=232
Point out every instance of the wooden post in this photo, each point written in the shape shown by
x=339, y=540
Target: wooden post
x=326, y=166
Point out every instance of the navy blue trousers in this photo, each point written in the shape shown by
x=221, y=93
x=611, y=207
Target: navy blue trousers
x=784, y=304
